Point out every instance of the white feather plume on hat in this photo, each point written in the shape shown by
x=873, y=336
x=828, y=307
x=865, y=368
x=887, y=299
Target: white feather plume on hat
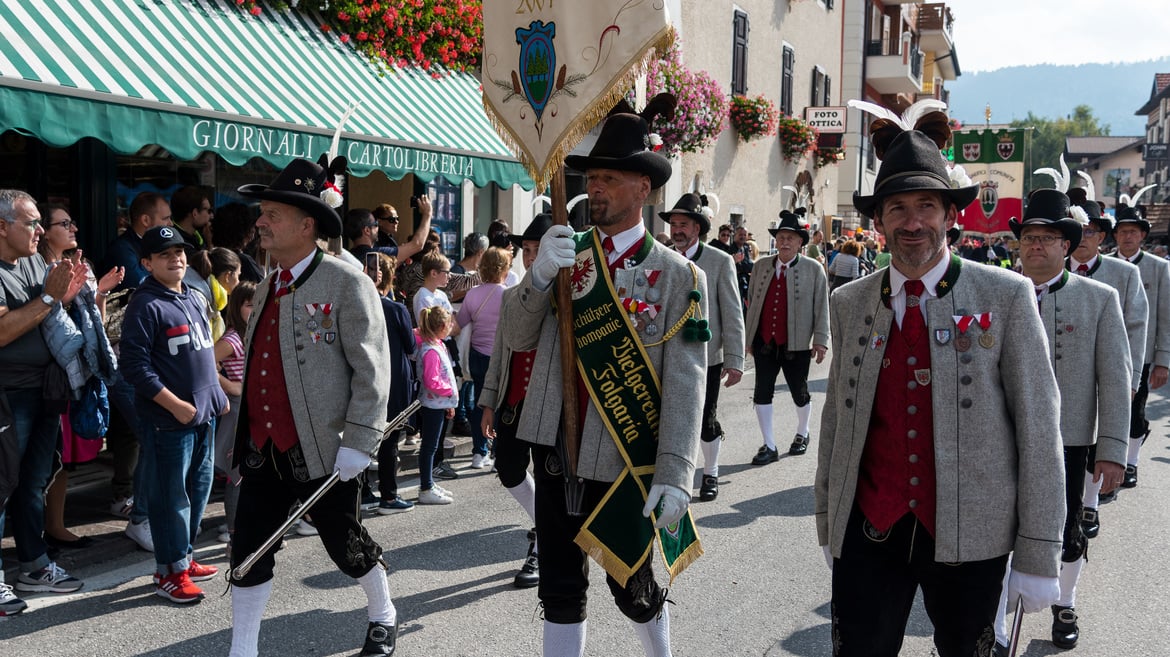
x=574, y=201
x=1125, y=199
x=1090, y=189
x=1078, y=213
x=1061, y=178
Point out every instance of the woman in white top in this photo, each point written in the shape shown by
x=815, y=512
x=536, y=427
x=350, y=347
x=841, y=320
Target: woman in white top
x=845, y=267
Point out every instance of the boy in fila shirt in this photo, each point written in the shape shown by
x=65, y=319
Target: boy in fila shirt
x=167, y=355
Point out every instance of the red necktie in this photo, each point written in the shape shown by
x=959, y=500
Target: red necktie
x=912, y=323
x=282, y=282
x=607, y=245
x=782, y=273
x=1083, y=270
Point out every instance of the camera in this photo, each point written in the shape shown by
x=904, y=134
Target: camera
x=372, y=260
x=414, y=201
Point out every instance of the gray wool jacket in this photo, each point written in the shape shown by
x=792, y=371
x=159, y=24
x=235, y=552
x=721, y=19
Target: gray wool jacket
x=527, y=322
x=808, y=301
x=725, y=311
x=1155, y=273
x=1090, y=356
x=997, y=448
x=1127, y=280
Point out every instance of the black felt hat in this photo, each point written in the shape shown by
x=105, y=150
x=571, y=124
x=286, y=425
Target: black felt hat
x=625, y=143
x=791, y=221
x=912, y=162
x=1132, y=215
x=308, y=186
x=690, y=205
x=535, y=230
x=1051, y=208
x=1096, y=217
x=953, y=234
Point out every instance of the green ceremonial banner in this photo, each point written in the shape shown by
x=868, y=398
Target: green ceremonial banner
x=994, y=159
x=625, y=389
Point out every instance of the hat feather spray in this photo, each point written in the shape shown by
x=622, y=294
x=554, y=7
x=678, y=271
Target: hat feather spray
x=927, y=116
x=335, y=166
x=710, y=206
x=1061, y=180
x=1132, y=202
x=545, y=201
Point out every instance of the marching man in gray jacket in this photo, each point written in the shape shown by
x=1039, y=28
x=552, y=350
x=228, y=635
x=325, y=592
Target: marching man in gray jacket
x=689, y=219
x=940, y=437
x=1090, y=357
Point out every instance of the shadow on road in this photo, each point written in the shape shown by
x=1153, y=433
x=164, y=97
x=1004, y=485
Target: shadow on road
x=793, y=502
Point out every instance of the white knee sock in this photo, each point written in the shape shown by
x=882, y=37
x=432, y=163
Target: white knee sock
x=525, y=494
x=655, y=635
x=1135, y=448
x=1092, y=492
x=564, y=640
x=1069, y=574
x=764, y=415
x=1001, y=626
x=248, y=604
x=379, y=606
x=803, y=413
x=711, y=457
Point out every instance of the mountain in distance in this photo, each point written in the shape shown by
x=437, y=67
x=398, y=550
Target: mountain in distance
x=1115, y=91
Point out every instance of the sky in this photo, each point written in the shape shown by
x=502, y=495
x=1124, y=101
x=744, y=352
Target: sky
x=993, y=34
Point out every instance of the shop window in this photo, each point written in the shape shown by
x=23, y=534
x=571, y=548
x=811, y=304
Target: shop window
x=447, y=206
x=739, y=40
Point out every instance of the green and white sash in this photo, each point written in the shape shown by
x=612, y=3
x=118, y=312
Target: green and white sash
x=625, y=389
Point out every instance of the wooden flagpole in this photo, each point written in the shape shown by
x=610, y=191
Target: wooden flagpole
x=570, y=422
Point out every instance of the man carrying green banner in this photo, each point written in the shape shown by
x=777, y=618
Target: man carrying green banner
x=636, y=305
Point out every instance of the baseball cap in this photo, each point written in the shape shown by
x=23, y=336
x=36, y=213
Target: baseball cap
x=159, y=239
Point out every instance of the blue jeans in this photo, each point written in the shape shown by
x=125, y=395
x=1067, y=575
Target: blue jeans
x=122, y=397
x=37, y=436
x=466, y=400
x=431, y=428
x=179, y=484
x=479, y=367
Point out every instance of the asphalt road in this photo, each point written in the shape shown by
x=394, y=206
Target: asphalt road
x=761, y=588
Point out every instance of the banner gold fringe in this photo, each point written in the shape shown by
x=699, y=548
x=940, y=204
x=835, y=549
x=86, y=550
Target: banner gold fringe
x=585, y=120
x=688, y=557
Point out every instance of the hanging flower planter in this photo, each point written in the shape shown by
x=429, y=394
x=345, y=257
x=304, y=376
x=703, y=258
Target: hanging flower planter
x=701, y=112
x=796, y=137
x=753, y=117
x=826, y=156
x=437, y=36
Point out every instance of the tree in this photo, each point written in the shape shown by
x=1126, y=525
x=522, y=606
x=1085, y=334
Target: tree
x=1048, y=137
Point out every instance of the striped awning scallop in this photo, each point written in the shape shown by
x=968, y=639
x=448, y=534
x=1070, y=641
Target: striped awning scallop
x=201, y=75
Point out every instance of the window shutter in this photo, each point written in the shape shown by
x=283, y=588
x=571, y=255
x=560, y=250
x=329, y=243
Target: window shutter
x=739, y=42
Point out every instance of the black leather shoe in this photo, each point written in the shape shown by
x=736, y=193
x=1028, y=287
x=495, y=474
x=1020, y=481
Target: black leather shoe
x=529, y=575
x=765, y=456
x=1130, y=480
x=1106, y=498
x=461, y=428
x=999, y=650
x=1090, y=523
x=79, y=543
x=799, y=445
x=1064, y=627
x=380, y=639
x=710, y=488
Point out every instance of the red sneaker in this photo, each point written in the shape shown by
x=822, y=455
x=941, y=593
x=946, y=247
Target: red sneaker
x=200, y=573
x=178, y=587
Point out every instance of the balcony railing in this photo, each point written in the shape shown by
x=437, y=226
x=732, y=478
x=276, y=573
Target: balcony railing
x=936, y=17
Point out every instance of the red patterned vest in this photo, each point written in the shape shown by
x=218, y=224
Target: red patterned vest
x=269, y=411
x=519, y=374
x=897, y=466
x=774, y=314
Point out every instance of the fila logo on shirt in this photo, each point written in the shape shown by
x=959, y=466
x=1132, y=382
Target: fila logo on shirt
x=181, y=335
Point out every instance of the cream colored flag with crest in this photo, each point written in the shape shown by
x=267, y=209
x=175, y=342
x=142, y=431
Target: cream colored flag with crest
x=552, y=69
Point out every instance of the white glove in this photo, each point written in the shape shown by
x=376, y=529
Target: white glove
x=828, y=557
x=556, y=252
x=1038, y=593
x=674, y=504
x=351, y=463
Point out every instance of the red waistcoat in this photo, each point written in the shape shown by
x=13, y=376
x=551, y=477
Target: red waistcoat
x=774, y=314
x=897, y=466
x=269, y=411
x=519, y=374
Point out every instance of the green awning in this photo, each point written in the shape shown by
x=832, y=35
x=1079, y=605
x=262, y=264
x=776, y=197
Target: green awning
x=201, y=75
